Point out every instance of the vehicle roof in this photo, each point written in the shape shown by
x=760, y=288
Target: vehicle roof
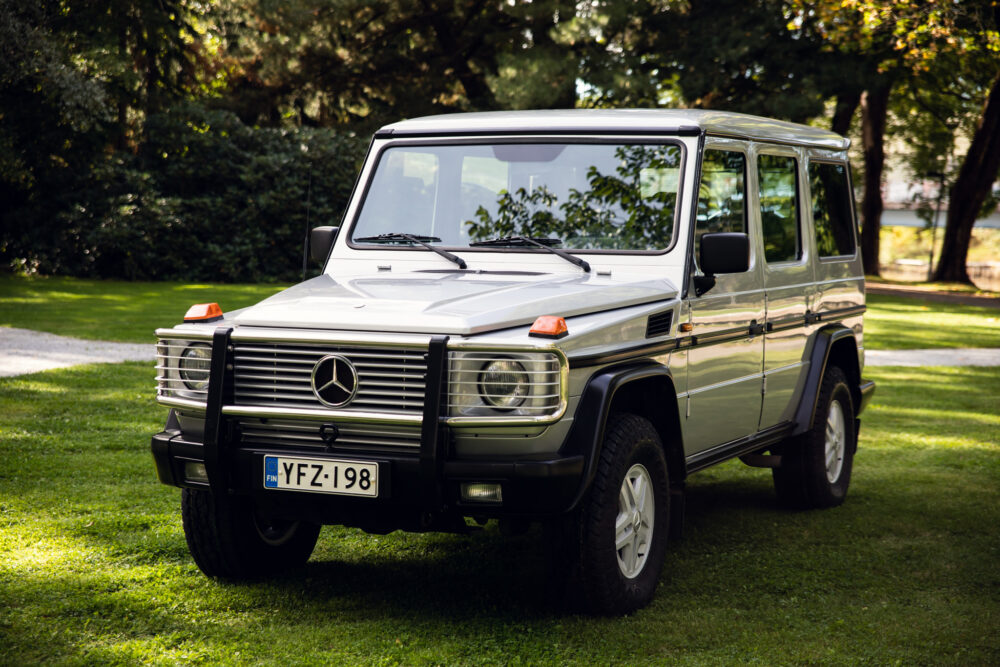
x=618, y=121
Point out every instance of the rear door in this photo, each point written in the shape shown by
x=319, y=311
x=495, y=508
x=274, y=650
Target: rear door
x=840, y=286
x=788, y=277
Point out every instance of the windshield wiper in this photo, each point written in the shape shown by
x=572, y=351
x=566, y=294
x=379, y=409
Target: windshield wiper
x=544, y=244
x=414, y=238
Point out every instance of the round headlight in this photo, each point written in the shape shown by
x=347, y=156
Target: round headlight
x=194, y=366
x=503, y=383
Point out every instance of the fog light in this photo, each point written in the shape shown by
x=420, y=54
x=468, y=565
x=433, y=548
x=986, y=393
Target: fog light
x=195, y=472
x=481, y=492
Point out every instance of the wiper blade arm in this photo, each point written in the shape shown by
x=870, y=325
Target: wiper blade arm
x=419, y=240
x=544, y=244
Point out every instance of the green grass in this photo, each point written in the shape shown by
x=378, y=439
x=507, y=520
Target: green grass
x=904, y=323
x=122, y=311
x=111, y=310
x=94, y=567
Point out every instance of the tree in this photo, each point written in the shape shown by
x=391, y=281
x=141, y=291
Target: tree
x=362, y=63
x=976, y=176
x=909, y=38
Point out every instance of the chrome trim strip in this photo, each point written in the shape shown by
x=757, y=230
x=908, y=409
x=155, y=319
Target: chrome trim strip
x=348, y=416
x=173, y=334
x=727, y=383
x=170, y=402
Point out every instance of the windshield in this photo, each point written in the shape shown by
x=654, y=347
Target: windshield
x=574, y=196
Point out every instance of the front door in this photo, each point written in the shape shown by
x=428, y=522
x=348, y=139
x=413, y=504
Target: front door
x=725, y=362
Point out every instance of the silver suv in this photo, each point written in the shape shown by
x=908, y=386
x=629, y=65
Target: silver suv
x=534, y=316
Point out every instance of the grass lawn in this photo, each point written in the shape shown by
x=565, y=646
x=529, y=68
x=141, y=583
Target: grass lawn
x=903, y=323
x=94, y=567
x=109, y=309
x=122, y=311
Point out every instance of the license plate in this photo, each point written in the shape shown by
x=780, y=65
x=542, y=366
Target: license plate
x=337, y=476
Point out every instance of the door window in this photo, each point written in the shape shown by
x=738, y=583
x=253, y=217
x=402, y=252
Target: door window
x=779, y=208
x=831, y=205
x=721, y=195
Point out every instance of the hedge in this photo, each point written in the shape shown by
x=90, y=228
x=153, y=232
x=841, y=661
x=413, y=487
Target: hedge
x=205, y=198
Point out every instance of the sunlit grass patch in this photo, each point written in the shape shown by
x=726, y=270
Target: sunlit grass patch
x=901, y=323
x=109, y=309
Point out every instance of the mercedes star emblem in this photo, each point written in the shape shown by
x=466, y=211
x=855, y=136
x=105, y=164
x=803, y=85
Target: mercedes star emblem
x=334, y=380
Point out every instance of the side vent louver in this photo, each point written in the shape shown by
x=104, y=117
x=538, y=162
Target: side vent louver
x=659, y=324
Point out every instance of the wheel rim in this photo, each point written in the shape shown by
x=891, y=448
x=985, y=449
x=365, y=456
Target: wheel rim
x=836, y=441
x=274, y=532
x=634, y=523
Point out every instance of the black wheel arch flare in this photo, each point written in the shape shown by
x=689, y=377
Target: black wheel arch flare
x=649, y=388
x=833, y=344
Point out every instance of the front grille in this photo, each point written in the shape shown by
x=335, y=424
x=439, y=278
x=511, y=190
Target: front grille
x=306, y=434
x=390, y=380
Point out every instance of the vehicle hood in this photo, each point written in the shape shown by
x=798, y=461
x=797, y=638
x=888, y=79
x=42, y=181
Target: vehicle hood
x=451, y=303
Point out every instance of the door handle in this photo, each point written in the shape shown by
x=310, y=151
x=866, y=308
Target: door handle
x=756, y=329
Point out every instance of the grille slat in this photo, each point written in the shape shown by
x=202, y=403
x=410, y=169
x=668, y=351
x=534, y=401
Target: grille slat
x=280, y=375
x=306, y=434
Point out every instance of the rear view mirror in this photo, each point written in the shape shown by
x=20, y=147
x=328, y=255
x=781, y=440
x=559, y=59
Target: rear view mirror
x=724, y=252
x=721, y=252
x=320, y=241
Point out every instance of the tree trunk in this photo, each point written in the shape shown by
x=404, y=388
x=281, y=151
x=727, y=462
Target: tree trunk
x=874, y=108
x=477, y=90
x=847, y=104
x=975, y=178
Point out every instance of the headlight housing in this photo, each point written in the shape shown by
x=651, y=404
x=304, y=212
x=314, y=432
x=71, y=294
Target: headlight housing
x=194, y=366
x=182, y=371
x=505, y=386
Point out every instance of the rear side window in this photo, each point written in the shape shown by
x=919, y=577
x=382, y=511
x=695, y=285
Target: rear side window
x=831, y=205
x=779, y=208
x=721, y=195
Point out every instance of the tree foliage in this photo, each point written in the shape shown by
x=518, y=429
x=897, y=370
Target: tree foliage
x=102, y=103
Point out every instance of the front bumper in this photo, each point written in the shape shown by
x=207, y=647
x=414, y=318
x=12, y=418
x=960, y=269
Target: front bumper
x=531, y=487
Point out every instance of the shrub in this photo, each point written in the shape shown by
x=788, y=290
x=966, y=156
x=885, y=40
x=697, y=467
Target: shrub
x=205, y=198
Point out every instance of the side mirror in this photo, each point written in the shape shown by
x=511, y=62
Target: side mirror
x=320, y=241
x=721, y=252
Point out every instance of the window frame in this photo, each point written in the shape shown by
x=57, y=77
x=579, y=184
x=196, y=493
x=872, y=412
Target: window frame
x=773, y=150
x=820, y=159
x=624, y=139
x=725, y=145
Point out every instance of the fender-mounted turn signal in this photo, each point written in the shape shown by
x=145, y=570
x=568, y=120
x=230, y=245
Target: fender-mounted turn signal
x=203, y=312
x=549, y=326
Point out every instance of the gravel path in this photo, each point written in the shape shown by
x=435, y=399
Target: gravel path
x=25, y=351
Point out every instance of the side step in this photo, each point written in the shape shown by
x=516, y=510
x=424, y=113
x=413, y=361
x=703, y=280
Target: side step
x=762, y=460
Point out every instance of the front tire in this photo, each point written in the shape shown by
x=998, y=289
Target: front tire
x=815, y=468
x=230, y=540
x=625, y=519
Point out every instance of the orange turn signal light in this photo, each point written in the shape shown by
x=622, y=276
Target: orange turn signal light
x=549, y=326
x=203, y=312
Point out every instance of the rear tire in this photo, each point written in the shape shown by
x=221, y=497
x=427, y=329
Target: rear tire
x=624, y=521
x=229, y=539
x=815, y=468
